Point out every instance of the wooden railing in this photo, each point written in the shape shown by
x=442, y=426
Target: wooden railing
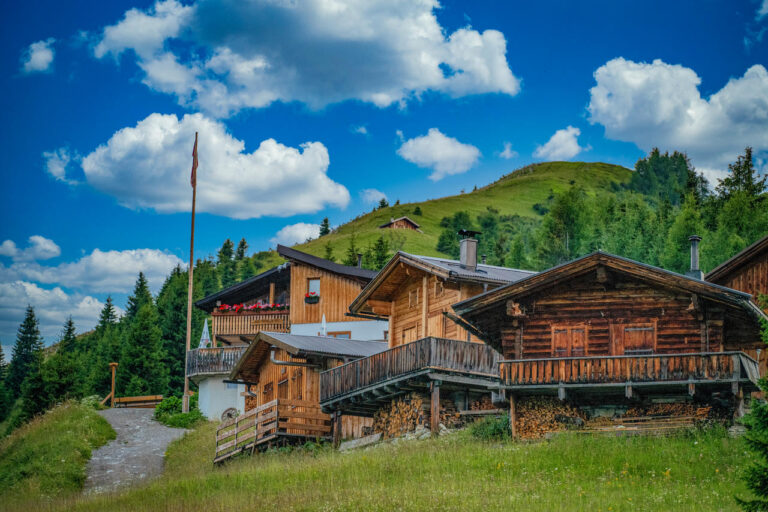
x=213, y=360
x=426, y=353
x=268, y=422
x=250, y=322
x=699, y=367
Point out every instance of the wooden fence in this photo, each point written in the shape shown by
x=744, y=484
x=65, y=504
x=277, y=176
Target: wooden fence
x=213, y=360
x=148, y=401
x=280, y=418
x=250, y=322
x=427, y=353
x=700, y=367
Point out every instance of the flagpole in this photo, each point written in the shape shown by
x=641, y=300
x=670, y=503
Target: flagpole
x=193, y=180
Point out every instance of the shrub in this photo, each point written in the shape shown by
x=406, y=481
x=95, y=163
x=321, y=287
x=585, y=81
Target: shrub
x=168, y=412
x=169, y=406
x=92, y=402
x=495, y=428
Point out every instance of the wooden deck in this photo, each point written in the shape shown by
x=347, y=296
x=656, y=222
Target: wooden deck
x=663, y=370
x=278, y=422
x=212, y=361
x=361, y=386
x=249, y=322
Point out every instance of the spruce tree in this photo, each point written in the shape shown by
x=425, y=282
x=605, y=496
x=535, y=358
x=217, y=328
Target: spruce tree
x=34, y=391
x=107, y=351
x=226, y=264
x=328, y=254
x=417, y=211
x=28, y=345
x=687, y=222
x=380, y=254
x=325, y=227
x=141, y=370
x=383, y=203
x=68, y=340
x=172, y=313
x=743, y=177
x=242, y=249
x=139, y=298
x=5, y=399
x=108, y=315
x=350, y=257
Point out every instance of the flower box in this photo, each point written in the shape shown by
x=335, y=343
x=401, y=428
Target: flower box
x=312, y=299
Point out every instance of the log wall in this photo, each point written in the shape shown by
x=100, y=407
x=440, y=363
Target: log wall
x=336, y=293
x=751, y=277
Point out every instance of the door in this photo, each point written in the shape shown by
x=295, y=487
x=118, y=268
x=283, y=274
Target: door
x=409, y=334
x=638, y=338
x=569, y=341
x=436, y=325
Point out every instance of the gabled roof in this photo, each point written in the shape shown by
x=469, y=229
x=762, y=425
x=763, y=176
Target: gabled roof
x=735, y=263
x=303, y=347
x=330, y=266
x=580, y=266
x=248, y=289
x=392, y=221
x=443, y=268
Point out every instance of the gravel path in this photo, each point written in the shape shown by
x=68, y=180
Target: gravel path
x=134, y=456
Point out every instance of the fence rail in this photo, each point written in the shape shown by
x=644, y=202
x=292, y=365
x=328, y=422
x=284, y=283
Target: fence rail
x=202, y=361
x=250, y=322
x=704, y=366
x=279, y=418
x=426, y=353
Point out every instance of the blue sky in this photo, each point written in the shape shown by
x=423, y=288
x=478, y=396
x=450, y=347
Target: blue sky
x=305, y=111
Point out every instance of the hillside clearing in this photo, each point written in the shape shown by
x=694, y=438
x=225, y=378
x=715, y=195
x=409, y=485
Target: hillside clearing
x=692, y=471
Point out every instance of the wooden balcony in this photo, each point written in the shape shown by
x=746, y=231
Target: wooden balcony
x=366, y=383
x=670, y=371
x=212, y=361
x=249, y=322
x=278, y=422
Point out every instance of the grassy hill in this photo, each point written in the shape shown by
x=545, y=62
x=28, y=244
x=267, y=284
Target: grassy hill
x=692, y=471
x=513, y=194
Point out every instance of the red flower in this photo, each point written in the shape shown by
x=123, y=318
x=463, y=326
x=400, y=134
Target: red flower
x=238, y=307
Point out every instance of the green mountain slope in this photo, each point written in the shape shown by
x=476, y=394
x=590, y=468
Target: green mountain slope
x=513, y=194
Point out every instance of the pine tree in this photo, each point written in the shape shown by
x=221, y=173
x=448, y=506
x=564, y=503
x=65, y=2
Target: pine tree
x=172, y=313
x=242, y=249
x=68, y=340
x=380, y=254
x=139, y=298
x=34, y=391
x=350, y=257
x=328, y=254
x=226, y=264
x=417, y=211
x=28, y=345
x=3, y=365
x=108, y=315
x=107, y=351
x=5, y=399
x=325, y=227
x=141, y=370
x=687, y=222
x=562, y=232
x=743, y=177
x=383, y=203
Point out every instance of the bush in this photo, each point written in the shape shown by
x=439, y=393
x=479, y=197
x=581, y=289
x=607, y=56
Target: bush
x=494, y=428
x=168, y=412
x=181, y=420
x=92, y=402
x=168, y=407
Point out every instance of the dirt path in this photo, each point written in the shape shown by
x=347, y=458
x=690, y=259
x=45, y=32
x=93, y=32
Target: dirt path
x=134, y=456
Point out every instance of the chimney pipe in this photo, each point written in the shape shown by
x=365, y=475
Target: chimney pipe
x=695, y=272
x=359, y=260
x=468, y=253
x=482, y=259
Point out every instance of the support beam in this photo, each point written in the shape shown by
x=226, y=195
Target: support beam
x=337, y=429
x=628, y=390
x=434, y=409
x=425, y=306
x=512, y=416
x=561, y=392
x=738, y=410
x=113, y=367
x=691, y=387
x=271, y=293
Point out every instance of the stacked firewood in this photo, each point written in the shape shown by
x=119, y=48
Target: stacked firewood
x=402, y=416
x=483, y=404
x=250, y=402
x=537, y=416
x=449, y=415
x=671, y=409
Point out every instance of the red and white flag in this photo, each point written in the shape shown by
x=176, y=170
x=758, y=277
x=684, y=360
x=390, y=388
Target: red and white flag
x=193, y=177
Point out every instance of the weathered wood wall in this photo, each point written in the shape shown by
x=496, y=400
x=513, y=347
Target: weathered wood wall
x=751, y=277
x=336, y=293
x=402, y=224
x=610, y=318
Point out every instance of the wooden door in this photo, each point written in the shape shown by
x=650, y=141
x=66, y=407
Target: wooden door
x=410, y=334
x=569, y=341
x=578, y=337
x=436, y=325
x=638, y=338
x=560, y=342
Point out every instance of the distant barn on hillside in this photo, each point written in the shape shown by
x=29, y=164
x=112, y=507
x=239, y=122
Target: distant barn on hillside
x=401, y=223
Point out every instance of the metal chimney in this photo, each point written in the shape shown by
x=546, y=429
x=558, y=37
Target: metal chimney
x=359, y=260
x=695, y=272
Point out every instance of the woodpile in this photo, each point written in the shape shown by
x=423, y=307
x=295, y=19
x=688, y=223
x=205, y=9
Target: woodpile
x=250, y=402
x=537, y=416
x=449, y=415
x=484, y=404
x=402, y=416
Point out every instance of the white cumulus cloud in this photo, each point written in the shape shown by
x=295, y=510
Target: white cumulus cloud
x=296, y=233
x=39, y=248
x=57, y=163
x=508, y=153
x=251, y=54
x=371, y=195
x=563, y=145
x=38, y=57
x=659, y=105
x=444, y=155
x=148, y=166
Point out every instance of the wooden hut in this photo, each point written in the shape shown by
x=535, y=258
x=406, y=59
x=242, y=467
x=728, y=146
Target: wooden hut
x=401, y=223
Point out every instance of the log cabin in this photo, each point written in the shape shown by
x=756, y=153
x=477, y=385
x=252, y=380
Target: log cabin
x=428, y=352
x=306, y=295
x=282, y=372
x=747, y=271
x=401, y=223
x=604, y=328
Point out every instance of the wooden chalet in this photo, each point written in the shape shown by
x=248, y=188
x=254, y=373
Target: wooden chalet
x=604, y=327
x=282, y=374
x=401, y=223
x=427, y=350
x=302, y=296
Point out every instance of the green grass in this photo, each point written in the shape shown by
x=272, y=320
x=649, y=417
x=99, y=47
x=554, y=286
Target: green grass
x=513, y=194
x=687, y=472
x=46, y=458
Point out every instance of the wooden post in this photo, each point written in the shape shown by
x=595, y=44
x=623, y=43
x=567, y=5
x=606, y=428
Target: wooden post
x=336, y=429
x=512, y=417
x=113, y=367
x=425, y=306
x=271, y=293
x=190, y=271
x=434, y=409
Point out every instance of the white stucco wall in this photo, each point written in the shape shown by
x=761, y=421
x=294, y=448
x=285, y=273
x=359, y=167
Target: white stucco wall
x=215, y=397
x=366, y=330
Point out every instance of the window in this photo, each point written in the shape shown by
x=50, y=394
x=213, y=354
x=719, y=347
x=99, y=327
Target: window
x=638, y=339
x=344, y=335
x=231, y=385
x=569, y=340
x=413, y=298
x=282, y=389
x=439, y=288
x=409, y=335
x=313, y=285
x=268, y=392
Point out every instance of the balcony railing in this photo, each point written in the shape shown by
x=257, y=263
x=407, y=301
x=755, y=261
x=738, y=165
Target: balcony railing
x=428, y=353
x=662, y=368
x=250, y=322
x=281, y=418
x=203, y=361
